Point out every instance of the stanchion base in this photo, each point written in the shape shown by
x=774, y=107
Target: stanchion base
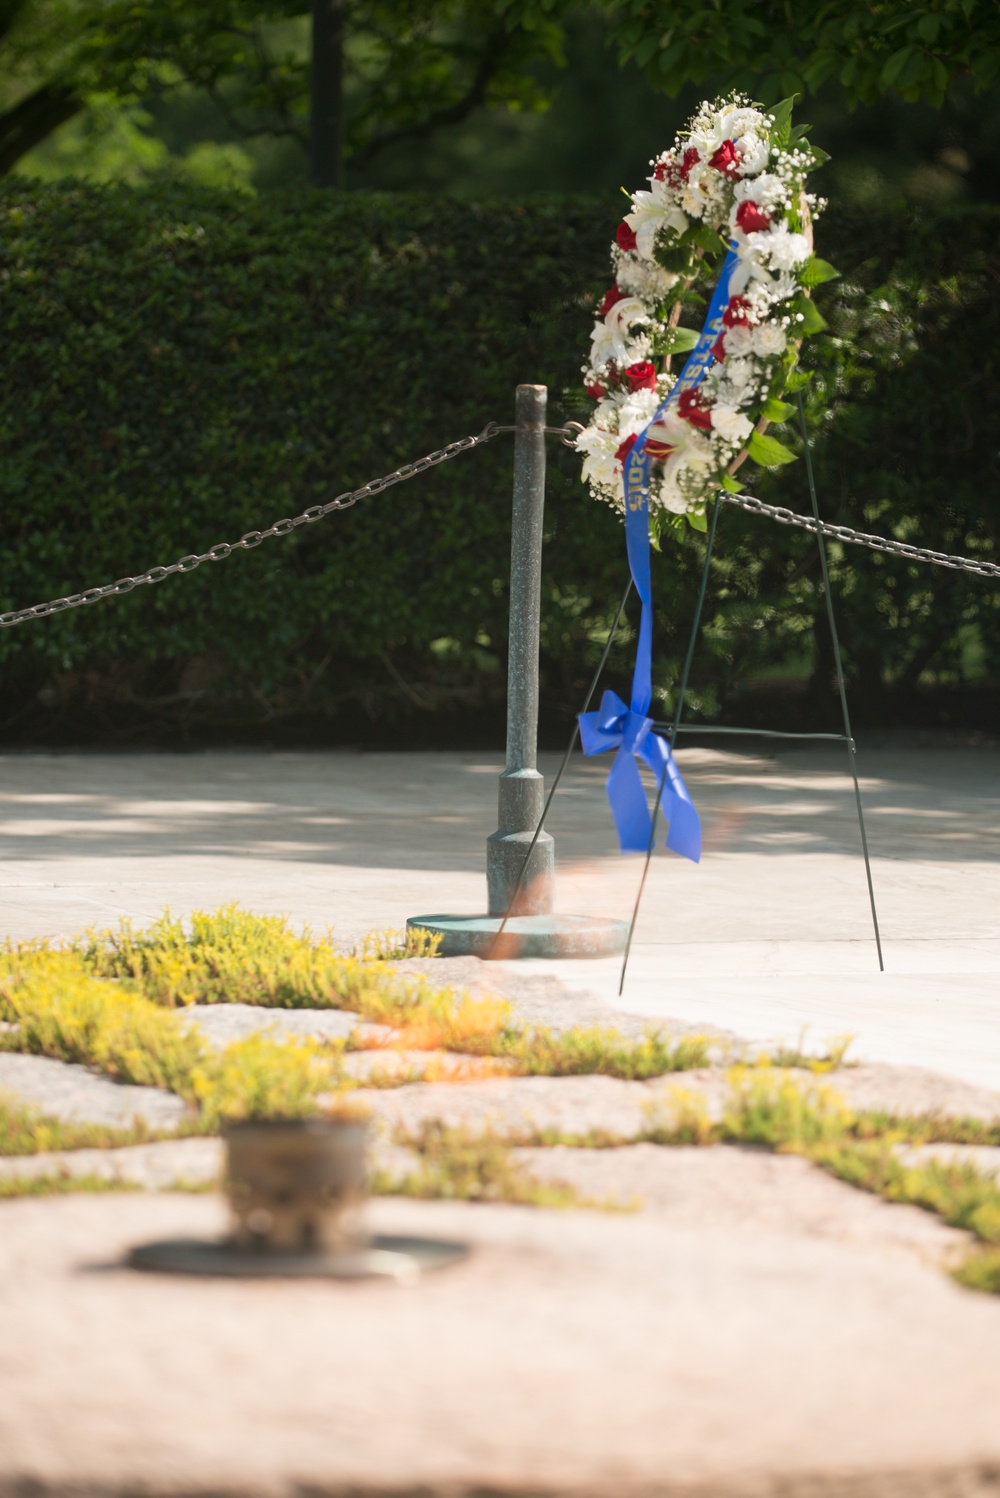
x=397, y=1258
x=524, y=935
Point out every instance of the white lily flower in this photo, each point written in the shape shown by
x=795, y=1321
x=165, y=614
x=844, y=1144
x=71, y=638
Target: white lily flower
x=613, y=338
x=653, y=211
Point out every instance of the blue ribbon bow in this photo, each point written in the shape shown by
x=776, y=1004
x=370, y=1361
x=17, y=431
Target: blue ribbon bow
x=615, y=726
x=627, y=729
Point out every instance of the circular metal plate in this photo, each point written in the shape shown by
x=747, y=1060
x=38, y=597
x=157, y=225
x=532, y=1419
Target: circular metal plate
x=525, y=935
x=385, y=1257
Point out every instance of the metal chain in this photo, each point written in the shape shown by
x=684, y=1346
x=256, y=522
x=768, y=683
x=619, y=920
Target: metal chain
x=251, y=539
x=861, y=538
x=568, y=434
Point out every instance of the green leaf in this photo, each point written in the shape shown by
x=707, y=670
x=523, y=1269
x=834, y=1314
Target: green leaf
x=675, y=341
x=782, y=115
x=679, y=259
x=768, y=451
x=817, y=271
x=705, y=238
x=776, y=410
x=798, y=379
x=813, y=320
x=697, y=520
x=731, y=484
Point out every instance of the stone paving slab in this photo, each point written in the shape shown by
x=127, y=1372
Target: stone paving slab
x=741, y=1189
x=168, y=1163
x=220, y=1024
x=77, y=1095
x=573, y=1355
x=549, y=1002
x=609, y=1105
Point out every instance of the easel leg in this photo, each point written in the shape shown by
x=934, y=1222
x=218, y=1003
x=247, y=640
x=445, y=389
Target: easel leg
x=851, y=757
x=678, y=712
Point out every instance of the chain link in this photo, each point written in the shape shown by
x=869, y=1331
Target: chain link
x=252, y=539
x=861, y=538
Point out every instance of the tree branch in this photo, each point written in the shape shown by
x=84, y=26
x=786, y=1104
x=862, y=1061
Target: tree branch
x=452, y=114
x=34, y=119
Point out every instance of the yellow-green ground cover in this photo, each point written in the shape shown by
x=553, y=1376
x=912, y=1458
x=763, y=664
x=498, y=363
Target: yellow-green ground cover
x=114, y=1000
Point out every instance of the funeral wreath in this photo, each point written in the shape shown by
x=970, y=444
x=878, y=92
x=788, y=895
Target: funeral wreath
x=726, y=222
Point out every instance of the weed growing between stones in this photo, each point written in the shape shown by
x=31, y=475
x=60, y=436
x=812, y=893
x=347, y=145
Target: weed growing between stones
x=395, y=946
x=797, y=1056
x=111, y=1001
x=59, y=1010
x=231, y=956
x=467, y=1165
x=58, y=1184
x=980, y=1271
x=26, y=1131
x=578, y=1052
x=772, y=1110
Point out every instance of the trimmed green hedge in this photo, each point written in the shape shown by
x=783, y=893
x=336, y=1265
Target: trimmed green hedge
x=181, y=366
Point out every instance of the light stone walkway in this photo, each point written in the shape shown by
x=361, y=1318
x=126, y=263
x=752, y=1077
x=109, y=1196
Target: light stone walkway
x=719, y=1346
x=747, y=1327
x=769, y=935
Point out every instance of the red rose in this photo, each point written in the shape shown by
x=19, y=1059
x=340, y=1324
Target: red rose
x=719, y=348
x=641, y=376
x=690, y=407
x=676, y=171
x=736, y=314
x=688, y=160
x=658, y=450
x=625, y=237
x=750, y=218
x=595, y=391
x=611, y=296
x=624, y=450
x=726, y=159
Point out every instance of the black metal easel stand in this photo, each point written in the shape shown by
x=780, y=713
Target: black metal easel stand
x=676, y=728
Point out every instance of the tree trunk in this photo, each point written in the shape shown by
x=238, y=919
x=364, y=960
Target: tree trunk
x=33, y=120
x=326, y=82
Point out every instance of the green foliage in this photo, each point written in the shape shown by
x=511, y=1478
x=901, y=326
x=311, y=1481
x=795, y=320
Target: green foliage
x=576, y=1052
x=773, y=1109
x=260, y=1077
x=466, y=1165
x=183, y=366
x=60, y=1184
x=769, y=47
x=25, y=1131
x=396, y=946
x=980, y=1271
x=817, y=272
x=231, y=956
x=189, y=366
x=60, y=1010
x=958, y=1193
x=768, y=451
x=410, y=67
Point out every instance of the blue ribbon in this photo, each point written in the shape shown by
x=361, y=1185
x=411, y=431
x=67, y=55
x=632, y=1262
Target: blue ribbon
x=628, y=729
